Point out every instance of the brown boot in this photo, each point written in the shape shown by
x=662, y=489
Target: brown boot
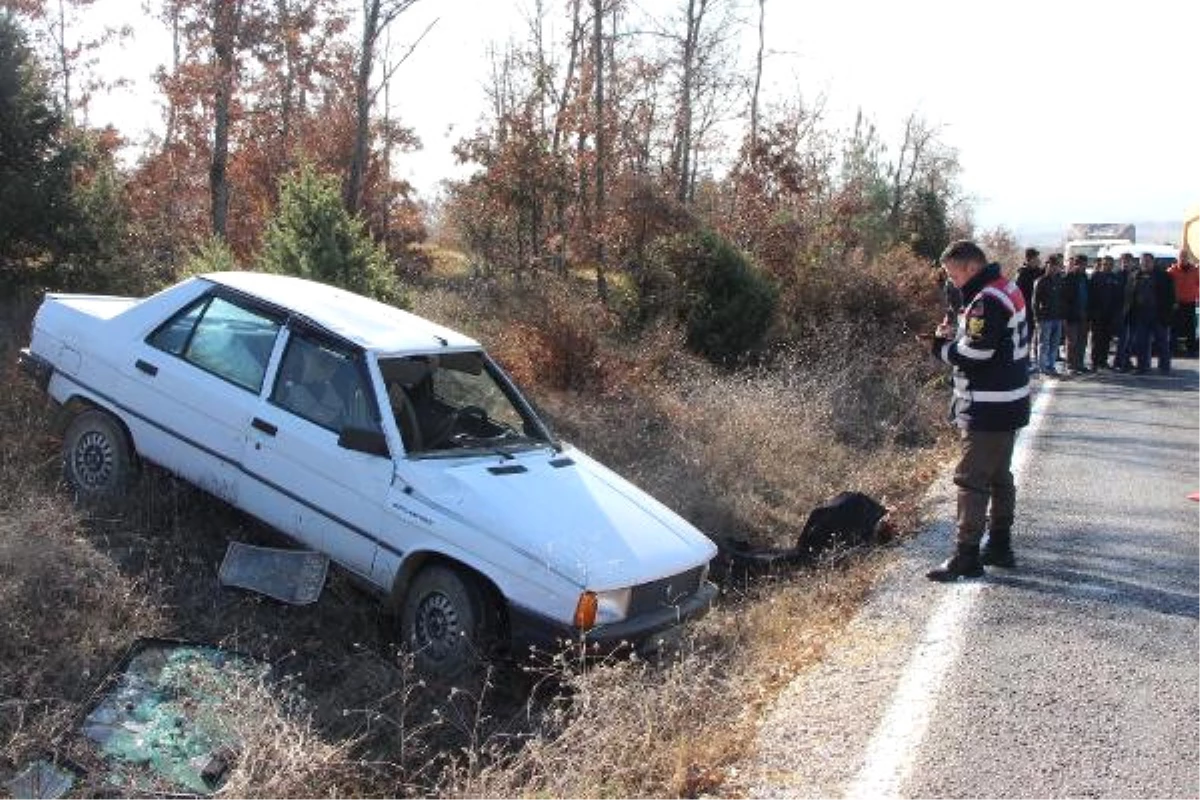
x=964, y=563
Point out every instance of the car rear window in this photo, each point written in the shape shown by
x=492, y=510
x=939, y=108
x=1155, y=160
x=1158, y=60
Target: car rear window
x=224, y=338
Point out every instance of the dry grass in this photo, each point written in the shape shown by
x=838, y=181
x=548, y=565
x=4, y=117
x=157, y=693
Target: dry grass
x=679, y=728
x=67, y=615
x=740, y=455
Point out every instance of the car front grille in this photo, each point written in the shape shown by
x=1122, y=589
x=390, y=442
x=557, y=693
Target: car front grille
x=665, y=592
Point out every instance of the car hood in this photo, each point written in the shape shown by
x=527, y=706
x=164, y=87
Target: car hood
x=578, y=518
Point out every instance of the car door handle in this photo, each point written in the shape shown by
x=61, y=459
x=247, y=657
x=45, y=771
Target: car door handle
x=264, y=426
x=146, y=367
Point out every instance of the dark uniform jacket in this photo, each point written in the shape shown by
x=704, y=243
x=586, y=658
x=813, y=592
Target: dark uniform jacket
x=990, y=357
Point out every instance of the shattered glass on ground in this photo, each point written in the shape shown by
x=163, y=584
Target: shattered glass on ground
x=162, y=719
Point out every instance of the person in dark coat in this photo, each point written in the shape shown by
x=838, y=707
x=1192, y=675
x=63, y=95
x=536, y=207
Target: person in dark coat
x=1029, y=272
x=1125, y=273
x=1027, y=276
x=1075, y=313
x=1105, y=299
x=1048, y=314
x=1151, y=297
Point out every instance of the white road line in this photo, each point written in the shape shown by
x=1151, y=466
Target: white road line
x=890, y=754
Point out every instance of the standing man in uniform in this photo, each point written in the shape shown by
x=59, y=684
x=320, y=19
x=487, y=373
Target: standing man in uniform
x=990, y=360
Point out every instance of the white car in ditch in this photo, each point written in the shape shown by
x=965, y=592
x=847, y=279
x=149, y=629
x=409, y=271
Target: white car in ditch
x=395, y=446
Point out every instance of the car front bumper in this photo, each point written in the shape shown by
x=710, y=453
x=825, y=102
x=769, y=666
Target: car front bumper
x=644, y=633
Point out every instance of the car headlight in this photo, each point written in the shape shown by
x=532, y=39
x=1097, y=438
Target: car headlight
x=601, y=608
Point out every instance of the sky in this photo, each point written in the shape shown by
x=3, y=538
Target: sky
x=1061, y=111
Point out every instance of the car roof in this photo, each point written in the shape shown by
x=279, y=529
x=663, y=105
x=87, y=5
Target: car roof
x=368, y=323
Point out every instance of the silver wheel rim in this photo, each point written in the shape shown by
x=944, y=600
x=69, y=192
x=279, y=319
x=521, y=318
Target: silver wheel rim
x=93, y=460
x=437, y=629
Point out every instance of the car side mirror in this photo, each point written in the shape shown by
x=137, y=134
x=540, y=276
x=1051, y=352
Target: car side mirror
x=364, y=440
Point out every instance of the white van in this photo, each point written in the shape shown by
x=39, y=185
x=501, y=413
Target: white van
x=1091, y=248
x=1164, y=254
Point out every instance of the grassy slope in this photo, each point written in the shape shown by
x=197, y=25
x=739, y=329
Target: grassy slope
x=738, y=456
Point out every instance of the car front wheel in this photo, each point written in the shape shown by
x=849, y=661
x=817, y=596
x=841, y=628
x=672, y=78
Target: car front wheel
x=97, y=460
x=446, y=622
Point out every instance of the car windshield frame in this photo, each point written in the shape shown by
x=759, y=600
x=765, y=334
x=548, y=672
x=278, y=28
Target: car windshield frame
x=449, y=404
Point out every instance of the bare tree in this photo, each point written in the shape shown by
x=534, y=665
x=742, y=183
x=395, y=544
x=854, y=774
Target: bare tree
x=377, y=16
x=758, y=71
x=707, y=81
x=564, y=98
x=171, y=17
x=682, y=150
x=71, y=51
x=226, y=28
x=601, y=145
x=917, y=136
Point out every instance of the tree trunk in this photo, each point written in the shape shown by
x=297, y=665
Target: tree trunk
x=683, y=136
x=758, y=71
x=601, y=144
x=362, y=106
x=290, y=67
x=172, y=110
x=226, y=21
x=560, y=194
x=64, y=59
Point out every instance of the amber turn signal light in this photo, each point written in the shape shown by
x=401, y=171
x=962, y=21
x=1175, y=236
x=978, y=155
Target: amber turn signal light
x=585, y=611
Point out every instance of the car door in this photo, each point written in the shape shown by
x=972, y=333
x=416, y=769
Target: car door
x=301, y=479
x=194, y=384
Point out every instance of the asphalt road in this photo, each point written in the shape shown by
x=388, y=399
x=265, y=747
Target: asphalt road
x=1074, y=675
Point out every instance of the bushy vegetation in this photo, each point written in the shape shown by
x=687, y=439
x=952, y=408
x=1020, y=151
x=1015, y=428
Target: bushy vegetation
x=62, y=219
x=725, y=304
x=34, y=164
x=312, y=236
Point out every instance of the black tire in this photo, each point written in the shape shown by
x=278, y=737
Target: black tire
x=446, y=623
x=98, y=462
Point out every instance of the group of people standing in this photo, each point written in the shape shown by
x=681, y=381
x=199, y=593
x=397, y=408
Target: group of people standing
x=1137, y=304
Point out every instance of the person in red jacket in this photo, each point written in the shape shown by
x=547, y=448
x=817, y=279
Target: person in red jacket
x=1186, y=277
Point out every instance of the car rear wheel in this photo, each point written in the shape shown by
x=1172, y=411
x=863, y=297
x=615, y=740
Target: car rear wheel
x=446, y=622
x=97, y=460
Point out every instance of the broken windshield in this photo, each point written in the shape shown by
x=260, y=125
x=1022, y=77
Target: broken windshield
x=450, y=402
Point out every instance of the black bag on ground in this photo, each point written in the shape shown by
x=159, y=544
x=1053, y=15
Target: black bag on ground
x=850, y=519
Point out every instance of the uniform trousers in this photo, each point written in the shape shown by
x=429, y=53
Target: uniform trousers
x=984, y=478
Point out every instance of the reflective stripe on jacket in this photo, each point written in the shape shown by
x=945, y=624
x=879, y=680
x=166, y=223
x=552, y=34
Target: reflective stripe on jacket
x=990, y=357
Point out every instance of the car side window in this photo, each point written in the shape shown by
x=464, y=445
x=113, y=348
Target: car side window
x=325, y=384
x=221, y=337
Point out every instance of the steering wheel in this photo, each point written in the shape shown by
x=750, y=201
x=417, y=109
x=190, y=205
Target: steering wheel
x=456, y=418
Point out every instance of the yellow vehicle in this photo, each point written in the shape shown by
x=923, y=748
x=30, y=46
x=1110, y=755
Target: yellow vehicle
x=1189, y=240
